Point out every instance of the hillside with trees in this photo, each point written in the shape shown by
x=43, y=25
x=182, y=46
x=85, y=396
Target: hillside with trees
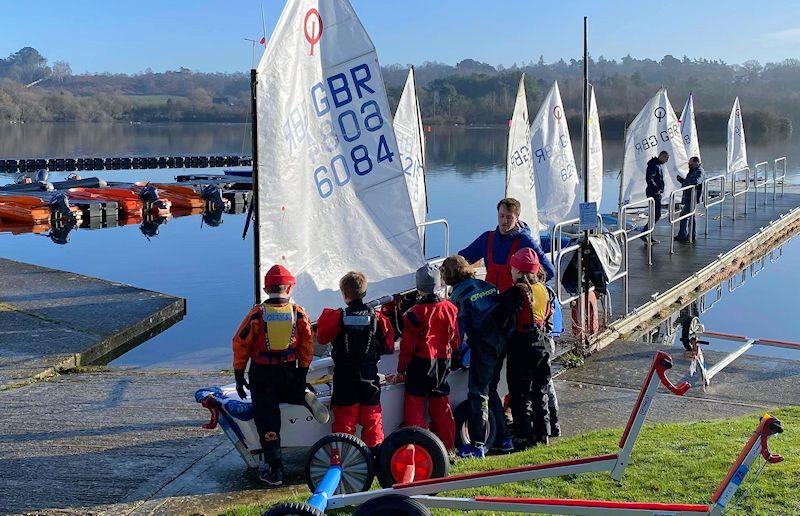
x=469, y=92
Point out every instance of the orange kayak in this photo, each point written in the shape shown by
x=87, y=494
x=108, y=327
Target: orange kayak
x=19, y=228
x=23, y=208
x=179, y=196
x=128, y=202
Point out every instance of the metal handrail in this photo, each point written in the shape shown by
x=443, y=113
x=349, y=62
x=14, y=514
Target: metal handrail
x=651, y=212
x=557, y=265
x=623, y=273
x=446, y=232
x=775, y=176
x=708, y=201
x=558, y=231
x=555, y=237
x=672, y=219
x=763, y=165
x=735, y=193
x=753, y=271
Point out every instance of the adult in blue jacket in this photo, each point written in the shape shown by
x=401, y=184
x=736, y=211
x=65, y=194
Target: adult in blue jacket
x=497, y=246
x=693, y=178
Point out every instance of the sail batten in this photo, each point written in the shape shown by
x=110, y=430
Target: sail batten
x=654, y=129
x=520, y=179
x=332, y=194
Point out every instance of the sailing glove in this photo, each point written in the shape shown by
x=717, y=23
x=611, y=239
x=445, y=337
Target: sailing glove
x=241, y=383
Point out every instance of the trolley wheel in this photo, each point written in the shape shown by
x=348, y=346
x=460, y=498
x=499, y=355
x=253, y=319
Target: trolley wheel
x=293, y=509
x=407, y=446
x=461, y=415
x=354, y=456
x=392, y=505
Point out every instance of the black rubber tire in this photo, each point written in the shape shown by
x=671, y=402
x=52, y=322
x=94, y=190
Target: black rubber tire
x=293, y=509
x=461, y=415
x=358, y=468
x=392, y=505
x=418, y=437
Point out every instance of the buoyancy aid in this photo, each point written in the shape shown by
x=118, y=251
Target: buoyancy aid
x=280, y=326
x=476, y=301
x=536, y=310
x=358, y=342
x=499, y=274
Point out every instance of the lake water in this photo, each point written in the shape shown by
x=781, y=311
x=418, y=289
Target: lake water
x=212, y=266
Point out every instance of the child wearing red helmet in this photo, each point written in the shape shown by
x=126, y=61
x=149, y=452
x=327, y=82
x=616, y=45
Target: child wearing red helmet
x=275, y=337
x=526, y=307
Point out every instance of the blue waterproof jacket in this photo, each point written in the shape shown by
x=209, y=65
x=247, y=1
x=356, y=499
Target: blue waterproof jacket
x=501, y=246
x=694, y=177
x=476, y=301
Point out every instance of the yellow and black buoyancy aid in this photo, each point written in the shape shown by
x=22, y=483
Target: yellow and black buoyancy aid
x=280, y=328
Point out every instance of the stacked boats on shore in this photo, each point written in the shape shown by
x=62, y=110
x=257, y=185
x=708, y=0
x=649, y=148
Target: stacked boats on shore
x=37, y=205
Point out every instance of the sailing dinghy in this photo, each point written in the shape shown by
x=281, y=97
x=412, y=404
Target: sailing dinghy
x=331, y=197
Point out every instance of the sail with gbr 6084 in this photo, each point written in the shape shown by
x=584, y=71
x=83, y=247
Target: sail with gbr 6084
x=331, y=192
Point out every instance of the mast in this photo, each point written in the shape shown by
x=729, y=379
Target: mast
x=254, y=202
x=585, y=312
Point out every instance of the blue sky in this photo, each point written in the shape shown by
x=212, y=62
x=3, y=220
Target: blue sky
x=207, y=35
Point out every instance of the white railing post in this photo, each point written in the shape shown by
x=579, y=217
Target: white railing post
x=775, y=176
x=763, y=165
x=736, y=193
x=708, y=201
x=673, y=219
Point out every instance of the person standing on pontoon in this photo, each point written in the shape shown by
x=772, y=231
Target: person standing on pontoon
x=654, y=176
x=694, y=177
x=496, y=247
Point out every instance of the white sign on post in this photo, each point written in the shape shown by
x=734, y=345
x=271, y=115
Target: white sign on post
x=588, y=216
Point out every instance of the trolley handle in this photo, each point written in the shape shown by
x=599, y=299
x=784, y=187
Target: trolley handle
x=770, y=427
x=212, y=405
x=663, y=362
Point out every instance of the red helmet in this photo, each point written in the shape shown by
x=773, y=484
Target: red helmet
x=278, y=275
x=525, y=260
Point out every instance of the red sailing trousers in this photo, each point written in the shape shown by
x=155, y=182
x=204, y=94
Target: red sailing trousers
x=442, y=423
x=346, y=417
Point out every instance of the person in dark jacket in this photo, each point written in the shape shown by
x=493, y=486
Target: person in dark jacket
x=655, y=182
x=430, y=336
x=496, y=247
x=477, y=302
x=359, y=336
x=694, y=177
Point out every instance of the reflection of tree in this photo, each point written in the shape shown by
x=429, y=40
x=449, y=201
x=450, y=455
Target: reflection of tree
x=469, y=151
x=88, y=140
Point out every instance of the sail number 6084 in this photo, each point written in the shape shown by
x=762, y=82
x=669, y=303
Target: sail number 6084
x=338, y=171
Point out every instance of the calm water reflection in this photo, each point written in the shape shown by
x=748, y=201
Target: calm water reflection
x=211, y=266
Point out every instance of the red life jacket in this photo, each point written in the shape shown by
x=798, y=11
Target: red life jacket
x=499, y=274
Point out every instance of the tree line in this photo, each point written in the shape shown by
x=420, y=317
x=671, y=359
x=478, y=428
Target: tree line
x=469, y=92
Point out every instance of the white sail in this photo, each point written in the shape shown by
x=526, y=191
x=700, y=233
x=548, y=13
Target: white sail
x=332, y=196
x=520, y=180
x=689, y=128
x=595, y=153
x=554, y=163
x=736, y=148
x=411, y=144
x=654, y=129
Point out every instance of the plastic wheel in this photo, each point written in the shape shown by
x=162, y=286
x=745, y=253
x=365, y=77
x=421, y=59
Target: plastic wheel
x=411, y=446
x=461, y=415
x=293, y=509
x=354, y=456
x=392, y=505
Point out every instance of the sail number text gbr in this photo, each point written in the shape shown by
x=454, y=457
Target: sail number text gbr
x=351, y=122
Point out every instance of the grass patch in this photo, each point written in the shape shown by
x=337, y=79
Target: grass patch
x=680, y=463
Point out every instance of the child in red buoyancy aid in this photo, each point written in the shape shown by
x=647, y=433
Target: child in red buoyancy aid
x=359, y=336
x=430, y=336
